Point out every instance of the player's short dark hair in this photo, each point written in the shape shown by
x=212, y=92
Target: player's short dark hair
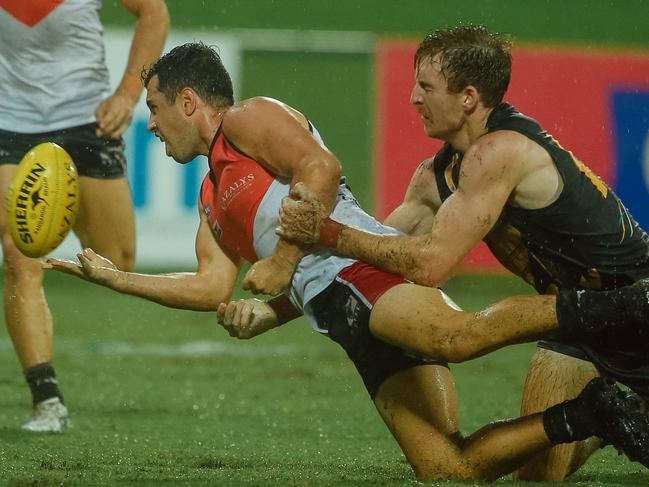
x=194, y=65
x=470, y=55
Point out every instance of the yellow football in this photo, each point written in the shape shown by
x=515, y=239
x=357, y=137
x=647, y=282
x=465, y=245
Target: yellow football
x=43, y=199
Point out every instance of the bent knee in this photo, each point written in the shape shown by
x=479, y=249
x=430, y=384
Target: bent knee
x=453, y=350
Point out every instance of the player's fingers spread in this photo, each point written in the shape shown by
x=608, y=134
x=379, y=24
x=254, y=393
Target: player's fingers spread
x=54, y=263
x=87, y=258
x=89, y=253
x=66, y=266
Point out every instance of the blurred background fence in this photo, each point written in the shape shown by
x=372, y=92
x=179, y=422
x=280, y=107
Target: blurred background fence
x=581, y=67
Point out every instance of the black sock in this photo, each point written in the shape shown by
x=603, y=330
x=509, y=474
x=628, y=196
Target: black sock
x=42, y=382
x=582, y=313
x=567, y=422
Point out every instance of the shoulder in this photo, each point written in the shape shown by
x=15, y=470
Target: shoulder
x=423, y=176
x=256, y=104
x=258, y=110
x=423, y=184
x=497, y=153
x=497, y=144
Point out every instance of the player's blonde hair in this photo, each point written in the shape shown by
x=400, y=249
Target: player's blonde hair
x=470, y=55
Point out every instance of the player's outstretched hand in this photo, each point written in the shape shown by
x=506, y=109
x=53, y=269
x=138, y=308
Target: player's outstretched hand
x=268, y=276
x=300, y=216
x=65, y=266
x=246, y=318
x=91, y=266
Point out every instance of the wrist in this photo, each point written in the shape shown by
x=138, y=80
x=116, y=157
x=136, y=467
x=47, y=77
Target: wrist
x=283, y=309
x=116, y=280
x=286, y=259
x=131, y=86
x=329, y=233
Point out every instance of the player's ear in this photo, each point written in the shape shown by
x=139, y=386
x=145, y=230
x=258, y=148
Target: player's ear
x=188, y=100
x=471, y=97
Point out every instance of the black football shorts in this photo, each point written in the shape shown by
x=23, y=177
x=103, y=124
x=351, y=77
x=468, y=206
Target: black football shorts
x=95, y=157
x=343, y=309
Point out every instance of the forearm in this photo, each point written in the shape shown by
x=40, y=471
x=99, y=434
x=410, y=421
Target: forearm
x=188, y=291
x=322, y=178
x=412, y=257
x=148, y=40
x=288, y=253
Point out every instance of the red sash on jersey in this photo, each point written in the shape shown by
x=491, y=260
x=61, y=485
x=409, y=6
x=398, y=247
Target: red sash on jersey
x=30, y=12
x=231, y=194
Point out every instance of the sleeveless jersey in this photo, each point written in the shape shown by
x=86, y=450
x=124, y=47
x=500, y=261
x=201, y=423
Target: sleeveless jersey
x=52, y=69
x=242, y=200
x=586, y=238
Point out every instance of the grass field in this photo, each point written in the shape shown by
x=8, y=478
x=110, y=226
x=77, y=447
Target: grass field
x=159, y=396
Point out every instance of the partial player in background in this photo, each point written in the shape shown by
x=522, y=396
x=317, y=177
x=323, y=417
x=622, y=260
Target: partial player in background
x=54, y=87
x=502, y=179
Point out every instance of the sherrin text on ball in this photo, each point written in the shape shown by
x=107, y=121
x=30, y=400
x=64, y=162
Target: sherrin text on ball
x=43, y=199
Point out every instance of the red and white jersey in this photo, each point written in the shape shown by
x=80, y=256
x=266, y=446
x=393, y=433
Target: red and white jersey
x=53, y=73
x=242, y=200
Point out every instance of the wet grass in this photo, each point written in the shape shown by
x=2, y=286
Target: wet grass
x=164, y=397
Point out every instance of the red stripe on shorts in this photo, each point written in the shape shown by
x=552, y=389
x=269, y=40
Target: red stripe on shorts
x=370, y=281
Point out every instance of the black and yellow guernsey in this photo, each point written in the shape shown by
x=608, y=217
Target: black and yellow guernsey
x=585, y=238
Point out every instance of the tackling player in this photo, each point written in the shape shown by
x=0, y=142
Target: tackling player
x=502, y=179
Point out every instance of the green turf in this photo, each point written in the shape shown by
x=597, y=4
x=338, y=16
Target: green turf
x=283, y=409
